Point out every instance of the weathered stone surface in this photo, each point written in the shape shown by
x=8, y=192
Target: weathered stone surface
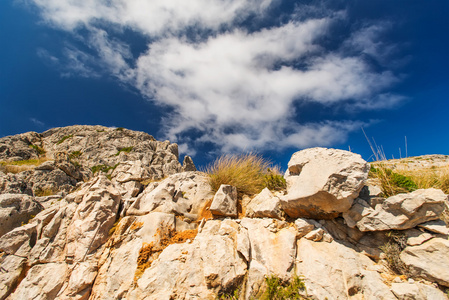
x=436, y=226
x=416, y=291
x=273, y=250
x=429, y=260
x=303, y=226
x=225, y=201
x=264, y=205
x=42, y=282
x=16, y=210
x=416, y=237
x=321, y=183
x=182, y=194
x=402, y=211
x=187, y=164
x=16, y=184
x=11, y=266
x=200, y=270
x=334, y=271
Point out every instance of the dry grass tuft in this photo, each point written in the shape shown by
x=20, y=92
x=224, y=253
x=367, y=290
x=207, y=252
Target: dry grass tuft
x=434, y=177
x=21, y=165
x=245, y=172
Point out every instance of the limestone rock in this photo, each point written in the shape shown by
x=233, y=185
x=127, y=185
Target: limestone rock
x=16, y=210
x=429, y=260
x=187, y=164
x=200, y=270
x=303, y=226
x=416, y=237
x=436, y=226
x=184, y=194
x=11, y=266
x=321, y=183
x=225, y=201
x=334, y=271
x=264, y=205
x=273, y=250
x=399, y=212
x=42, y=282
x=416, y=291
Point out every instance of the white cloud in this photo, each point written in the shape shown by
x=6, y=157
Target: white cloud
x=233, y=88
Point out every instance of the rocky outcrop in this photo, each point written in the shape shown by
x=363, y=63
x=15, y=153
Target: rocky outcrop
x=322, y=183
x=77, y=152
x=402, y=211
x=16, y=210
x=429, y=260
x=144, y=227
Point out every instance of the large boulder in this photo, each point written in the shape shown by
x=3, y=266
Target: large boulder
x=399, y=212
x=322, y=183
x=429, y=260
x=16, y=210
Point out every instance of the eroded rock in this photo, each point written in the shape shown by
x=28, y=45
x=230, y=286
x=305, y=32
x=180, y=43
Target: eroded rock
x=322, y=183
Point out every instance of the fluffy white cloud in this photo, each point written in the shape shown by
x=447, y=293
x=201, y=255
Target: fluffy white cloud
x=235, y=88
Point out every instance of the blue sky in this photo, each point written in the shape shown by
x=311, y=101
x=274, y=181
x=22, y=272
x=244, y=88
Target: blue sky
x=221, y=76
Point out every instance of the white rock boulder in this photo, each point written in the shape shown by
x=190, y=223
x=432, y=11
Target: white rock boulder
x=322, y=183
x=264, y=205
x=399, y=212
x=429, y=260
x=225, y=201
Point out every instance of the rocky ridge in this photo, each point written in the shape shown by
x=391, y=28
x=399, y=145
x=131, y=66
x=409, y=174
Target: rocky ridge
x=151, y=228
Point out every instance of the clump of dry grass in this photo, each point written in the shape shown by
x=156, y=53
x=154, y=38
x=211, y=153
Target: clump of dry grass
x=246, y=172
x=434, y=177
x=21, y=165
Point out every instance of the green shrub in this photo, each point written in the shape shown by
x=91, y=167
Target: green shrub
x=279, y=290
x=103, y=168
x=64, y=138
x=39, y=150
x=125, y=149
x=119, y=129
x=392, y=183
x=245, y=172
x=274, y=180
x=75, y=154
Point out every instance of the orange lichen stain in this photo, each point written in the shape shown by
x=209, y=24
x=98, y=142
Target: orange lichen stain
x=136, y=225
x=151, y=251
x=205, y=212
x=183, y=236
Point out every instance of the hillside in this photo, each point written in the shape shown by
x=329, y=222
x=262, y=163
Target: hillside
x=90, y=212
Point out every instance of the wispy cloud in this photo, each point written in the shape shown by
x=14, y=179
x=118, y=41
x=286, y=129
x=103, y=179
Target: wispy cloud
x=37, y=122
x=227, y=85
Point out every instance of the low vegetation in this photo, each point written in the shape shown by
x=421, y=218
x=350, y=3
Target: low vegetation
x=392, y=250
x=281, y=290
x=75, y=154
x=21, y=165
x=249, y=173
x=392, y=183
x=64, y=138
x=103, y=168
x=40, y=150
x=125, y=149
